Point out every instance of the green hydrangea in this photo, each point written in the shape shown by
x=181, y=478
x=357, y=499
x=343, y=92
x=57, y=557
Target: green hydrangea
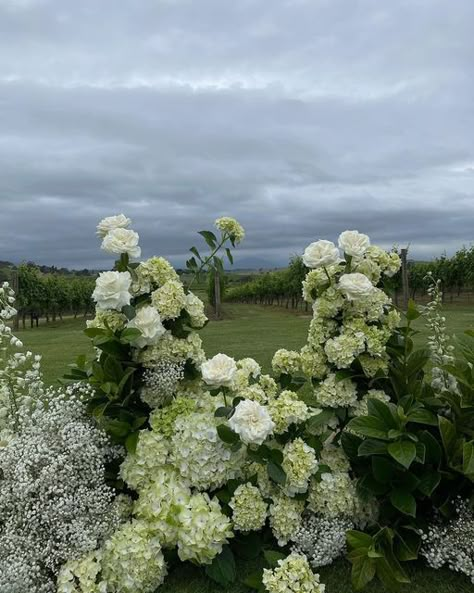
x=292, y=575
x=299, y=463
x=287, y=409
x=249, y=510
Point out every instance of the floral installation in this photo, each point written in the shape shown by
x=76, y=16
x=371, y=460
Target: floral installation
x=173, y=456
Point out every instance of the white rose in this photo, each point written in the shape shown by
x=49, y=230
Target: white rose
x=252, y=422
x=355, y=286
x=219, y=371
x=122, y=241
x=354, y=243
x=321, y=253
x=148, y=321
x=112, y=222
x=112, y=290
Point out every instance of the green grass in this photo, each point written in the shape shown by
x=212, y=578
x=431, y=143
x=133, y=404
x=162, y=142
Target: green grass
x=257, y=332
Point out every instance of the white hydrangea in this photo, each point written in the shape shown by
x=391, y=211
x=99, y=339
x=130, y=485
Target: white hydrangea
x=332, y=393
x=169, y=299
x=231, y=227
x=203, y=530
x=329, y=304
x=82, y=575
x=285, y=517
x=200, y=455
x=333, y=495
x=360, y=408
x=286, y=361
x=249, y=510
x=313, y=362
x=344, y=349
x=316, y=280
x=299, y=463
x=250, y=367
x=151, y=454
x=153, y=273
x=195, y=309
x=132, y=559
x=174, y=349
x=105, y=319
x=292, y=575
x=287, y=409
x=160, y=503
x=335, y=458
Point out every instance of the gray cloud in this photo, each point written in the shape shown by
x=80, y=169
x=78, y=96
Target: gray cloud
x=300, y=120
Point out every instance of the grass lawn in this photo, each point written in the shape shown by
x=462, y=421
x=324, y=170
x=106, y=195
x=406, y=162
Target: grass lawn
x=257, y=332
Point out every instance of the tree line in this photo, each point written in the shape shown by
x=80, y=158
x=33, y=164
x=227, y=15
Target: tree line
x=283, y=287
x=51, y=295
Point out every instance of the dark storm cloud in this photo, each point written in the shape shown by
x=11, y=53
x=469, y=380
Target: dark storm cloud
x=300, y=119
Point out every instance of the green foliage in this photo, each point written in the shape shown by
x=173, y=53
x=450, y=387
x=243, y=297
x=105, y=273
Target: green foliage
x=414, y=454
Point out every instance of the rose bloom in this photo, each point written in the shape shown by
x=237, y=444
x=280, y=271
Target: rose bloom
x=354, y=243
x=122, y=241
x=112, y=290
x=321, y=253
x=219, y=371
x=148, y=321
x=252, y=422
x=112, y=222
x=355, y=286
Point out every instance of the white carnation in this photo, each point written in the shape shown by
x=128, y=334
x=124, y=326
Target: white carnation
x=112, y=290
x=148, y=321
x=219, y=370
x=112, y=222
x=355, y=286
x=120, y=241
x=320, y=254
x=251, y=422
x=354, y=243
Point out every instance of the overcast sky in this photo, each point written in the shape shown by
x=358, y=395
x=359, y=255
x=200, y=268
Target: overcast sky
x=301, y=118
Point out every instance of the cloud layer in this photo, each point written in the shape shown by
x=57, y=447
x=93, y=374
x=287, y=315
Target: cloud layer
x=301, y=118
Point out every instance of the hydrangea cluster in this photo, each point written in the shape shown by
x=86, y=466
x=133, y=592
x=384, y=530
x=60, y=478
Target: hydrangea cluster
x=321, y=539
x=132, y=560
x=285, y=517
x=198, y=453
x=204, y=529
x=54, y=503
x=352, y=318
x=249, y=510
x=157, y=298
x=333, y=495
x=451, y=542
x=287, y=409
x=299, y=464
x=292, y=575
x=230, y=227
